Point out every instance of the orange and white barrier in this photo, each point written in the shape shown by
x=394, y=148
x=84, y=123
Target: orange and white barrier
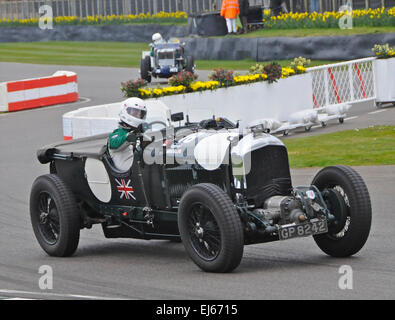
x=61, y=87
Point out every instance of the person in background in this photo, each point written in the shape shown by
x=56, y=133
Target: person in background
x=314, y=6
x=229, y=10
x=244, y=8
x=277, y=7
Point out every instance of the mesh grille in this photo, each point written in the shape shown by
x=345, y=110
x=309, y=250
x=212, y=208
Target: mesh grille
x=269, y=175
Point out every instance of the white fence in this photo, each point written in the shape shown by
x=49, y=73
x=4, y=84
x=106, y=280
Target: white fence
x=24, y=9
x=84, y=8
x=351, y=81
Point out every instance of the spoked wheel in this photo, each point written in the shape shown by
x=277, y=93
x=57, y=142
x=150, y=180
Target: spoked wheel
x=210, y=228
x=54, y=216
x=48, y=226
x=204, y=232
x=348, y=199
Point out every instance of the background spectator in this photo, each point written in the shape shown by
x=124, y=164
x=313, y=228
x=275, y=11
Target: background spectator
x=279, y=6
x=244, y=9
x=230, y=10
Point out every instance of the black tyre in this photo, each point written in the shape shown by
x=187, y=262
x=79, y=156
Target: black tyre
x=348, y=200
x=145, y=69
x=210, y=228
x=341, y=120
x=54, y=216
x=190, y=66
x=307, y=128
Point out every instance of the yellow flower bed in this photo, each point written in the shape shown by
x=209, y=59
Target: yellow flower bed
x=286, y=72
x=207, y=85
x=159, y=92
x=249, y=78
x=171, y=17
x=133, y=88
x=369, y=17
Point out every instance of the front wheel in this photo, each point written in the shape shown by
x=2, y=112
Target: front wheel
x=190, y=66
x=145, y=69
x=54, y=216
x=210, y=228
x=348, y=199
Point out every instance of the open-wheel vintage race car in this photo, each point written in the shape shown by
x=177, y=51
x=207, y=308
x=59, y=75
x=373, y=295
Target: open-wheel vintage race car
x=165, y=59
x=208, y=183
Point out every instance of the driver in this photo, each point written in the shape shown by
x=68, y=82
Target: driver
x=156, y=39
x=132, y=116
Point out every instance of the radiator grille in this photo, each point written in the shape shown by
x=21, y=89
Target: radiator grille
x=269, y=175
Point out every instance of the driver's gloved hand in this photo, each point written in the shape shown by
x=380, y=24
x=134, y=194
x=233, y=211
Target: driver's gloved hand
x=131, y=138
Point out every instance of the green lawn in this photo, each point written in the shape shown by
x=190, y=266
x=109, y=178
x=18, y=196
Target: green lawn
x=362, y=147
x=317, y=32
x=108, y=54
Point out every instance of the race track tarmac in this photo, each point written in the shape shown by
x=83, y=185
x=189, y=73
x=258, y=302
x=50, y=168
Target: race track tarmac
x=137, y=269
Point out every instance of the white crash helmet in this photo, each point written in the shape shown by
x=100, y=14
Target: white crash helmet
x=133, y=112
x=156, y=37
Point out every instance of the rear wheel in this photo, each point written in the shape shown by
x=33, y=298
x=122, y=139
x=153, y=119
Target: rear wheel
x=348, y=200
x=54, y=216
x=210, y=228
x=145, y=69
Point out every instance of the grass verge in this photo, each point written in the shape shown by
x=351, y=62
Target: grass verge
x=316, y=32
x=358, y=147
x=107, y=54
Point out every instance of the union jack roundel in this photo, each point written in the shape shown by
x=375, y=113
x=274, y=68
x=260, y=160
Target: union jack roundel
x=125, y=189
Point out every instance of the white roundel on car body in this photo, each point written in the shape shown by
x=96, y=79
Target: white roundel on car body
x=98, y=180
x=212, y=151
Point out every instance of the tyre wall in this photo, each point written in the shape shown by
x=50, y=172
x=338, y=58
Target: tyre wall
x=61, y=87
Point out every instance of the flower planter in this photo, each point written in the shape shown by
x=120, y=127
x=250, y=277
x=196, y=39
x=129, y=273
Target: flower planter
x=384, y=73
x=247, y=102
x=244, y=102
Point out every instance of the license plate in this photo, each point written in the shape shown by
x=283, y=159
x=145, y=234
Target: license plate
x=303, y=230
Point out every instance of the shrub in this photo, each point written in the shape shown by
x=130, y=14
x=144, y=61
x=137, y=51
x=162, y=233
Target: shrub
x=183, y=78
x=224, y=77
x=384, y=51
x=300, y=64
x=273, y=72
x=257, y=69
x=131, y=88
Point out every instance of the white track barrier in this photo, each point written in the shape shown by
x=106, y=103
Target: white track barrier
x=324, y=93
x=384, y=72
x=59, y=88
x=245, y=103
x=104, y=118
